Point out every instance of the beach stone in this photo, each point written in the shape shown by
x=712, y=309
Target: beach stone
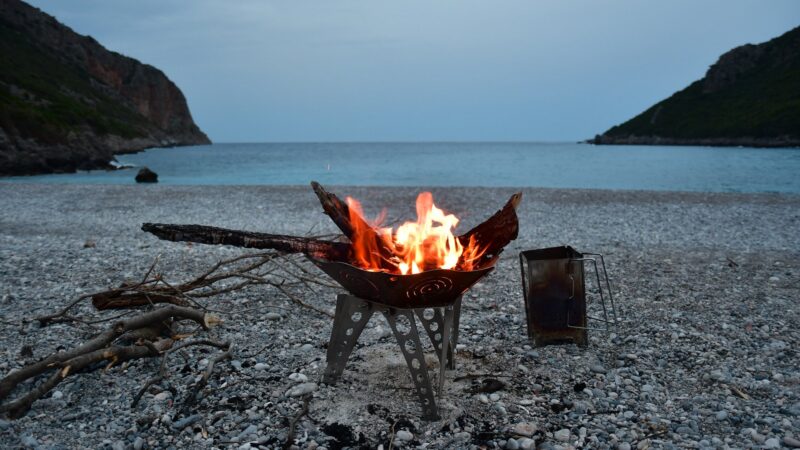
x=527, y=444
x=462, y=436
x=722, y=415
x=624, y=446
x=298, y=377
x=524, y=429
x=162, y=396
x=58, y=395
x=772, y=443
x=597, y=368
x=249, y=430
x=791, y=442
x=562, y=435
x=146, y=175
x=301, y=389
x=494, y=397
x=138, y=443
x=512, y=444
x=404, y=436
x=4, y=425
x=186, y=421
x=306, y=347
x=272, y=316
x=28, y=441
x=483, y=398
x=261, y=366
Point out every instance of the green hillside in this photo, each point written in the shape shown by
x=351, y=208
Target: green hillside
x=44, y=97
x=751, y=96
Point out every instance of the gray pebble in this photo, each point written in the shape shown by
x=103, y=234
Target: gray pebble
x=272, y=316
x=462, y=437
x=28, y=441
x=772, y=443
x=404, y=436
x=791, y=442
x=512, y=444
x=250, y=429
x=562, y=435
x=186, y=421
x=138, y=443
x=301, y=389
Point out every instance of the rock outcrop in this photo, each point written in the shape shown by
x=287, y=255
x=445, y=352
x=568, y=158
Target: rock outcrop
x=69, y=104
x=749, y=97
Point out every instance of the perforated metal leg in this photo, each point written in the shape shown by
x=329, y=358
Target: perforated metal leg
x=352, y=315
x=404, y=328
x=432, y=321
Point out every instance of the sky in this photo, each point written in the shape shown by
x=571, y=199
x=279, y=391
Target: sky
x=408, y=70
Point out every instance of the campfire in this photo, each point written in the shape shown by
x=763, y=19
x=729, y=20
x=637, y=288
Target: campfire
x=419, y=270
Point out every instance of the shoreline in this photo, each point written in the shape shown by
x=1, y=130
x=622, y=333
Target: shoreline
x=788, y=143
x=708, y=282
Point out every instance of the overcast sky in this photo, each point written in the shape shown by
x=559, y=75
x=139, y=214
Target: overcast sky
x=400, y=70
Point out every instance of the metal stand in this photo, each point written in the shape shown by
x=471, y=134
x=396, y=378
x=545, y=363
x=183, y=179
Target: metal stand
x=441, y=325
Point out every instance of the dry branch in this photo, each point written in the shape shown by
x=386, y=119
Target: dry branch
x=103, y=347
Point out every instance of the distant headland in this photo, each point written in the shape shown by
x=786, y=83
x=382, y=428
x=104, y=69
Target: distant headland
x=69, y=104
x=749, y=97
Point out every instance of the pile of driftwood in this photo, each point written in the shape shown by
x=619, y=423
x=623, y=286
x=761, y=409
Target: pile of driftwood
x=155, y=319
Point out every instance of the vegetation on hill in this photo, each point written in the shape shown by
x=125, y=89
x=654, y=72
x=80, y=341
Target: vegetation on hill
x=751, y=96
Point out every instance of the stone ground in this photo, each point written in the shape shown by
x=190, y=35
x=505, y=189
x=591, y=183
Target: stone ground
x=707, y=356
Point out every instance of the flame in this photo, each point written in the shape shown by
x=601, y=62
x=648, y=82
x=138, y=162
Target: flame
x=428, y=243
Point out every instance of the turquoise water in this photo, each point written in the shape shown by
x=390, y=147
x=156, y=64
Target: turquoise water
x=559, y=165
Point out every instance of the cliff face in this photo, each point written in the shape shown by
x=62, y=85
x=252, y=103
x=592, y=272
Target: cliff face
x=749, y=97
x=67, y=103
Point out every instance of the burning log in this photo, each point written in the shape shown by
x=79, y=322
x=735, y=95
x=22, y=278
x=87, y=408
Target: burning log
x=496, y=232
x=486, y=240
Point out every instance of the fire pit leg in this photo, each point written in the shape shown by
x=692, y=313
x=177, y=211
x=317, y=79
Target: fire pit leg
x=352, y=315
x=405, y=331
x=434, y=325
x=447, y=352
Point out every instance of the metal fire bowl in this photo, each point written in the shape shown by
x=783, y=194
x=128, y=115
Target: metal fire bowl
x=432, y=288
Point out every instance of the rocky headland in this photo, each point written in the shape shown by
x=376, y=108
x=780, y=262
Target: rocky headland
x=70, y=104
x=749, y=97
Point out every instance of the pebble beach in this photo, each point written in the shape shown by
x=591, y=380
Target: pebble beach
x=706, y=355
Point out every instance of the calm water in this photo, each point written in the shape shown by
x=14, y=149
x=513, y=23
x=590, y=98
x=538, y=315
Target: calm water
x=566, y=165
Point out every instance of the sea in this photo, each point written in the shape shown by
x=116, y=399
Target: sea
x=524, y=164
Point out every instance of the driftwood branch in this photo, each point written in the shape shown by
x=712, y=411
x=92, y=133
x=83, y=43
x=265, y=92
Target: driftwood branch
x=103, y=347
x=247, y=239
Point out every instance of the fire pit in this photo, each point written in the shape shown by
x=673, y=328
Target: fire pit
x=420, y=271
